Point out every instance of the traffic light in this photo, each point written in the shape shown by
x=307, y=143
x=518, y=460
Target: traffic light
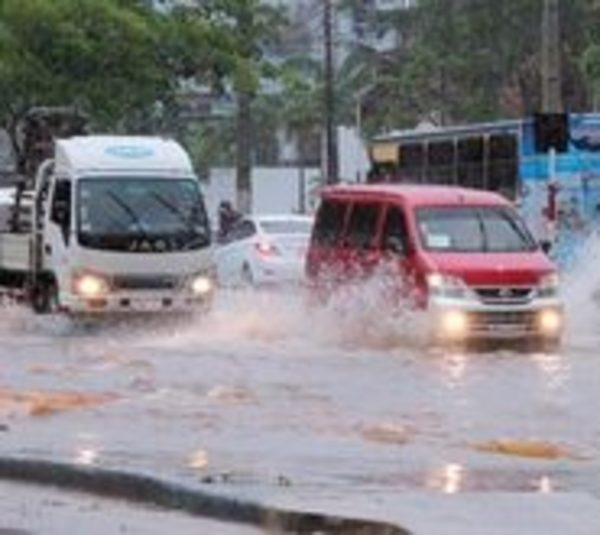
x=551, y=130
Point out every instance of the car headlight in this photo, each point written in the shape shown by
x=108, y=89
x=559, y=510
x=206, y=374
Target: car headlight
x=548, y=285
x=447, y=286
x=90, y=285
x=201, y=285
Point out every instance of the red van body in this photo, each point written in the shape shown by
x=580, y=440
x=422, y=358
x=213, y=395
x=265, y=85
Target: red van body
x=464, y=256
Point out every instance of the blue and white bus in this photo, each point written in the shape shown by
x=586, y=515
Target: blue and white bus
x=558, y=193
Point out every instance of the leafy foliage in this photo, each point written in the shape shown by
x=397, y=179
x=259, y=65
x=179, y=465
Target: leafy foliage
x=476, y=60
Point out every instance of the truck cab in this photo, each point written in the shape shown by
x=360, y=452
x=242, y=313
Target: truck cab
x=463, y=256
x=117, y=224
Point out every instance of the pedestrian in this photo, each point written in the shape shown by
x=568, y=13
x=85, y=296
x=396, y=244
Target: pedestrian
x=228, y=217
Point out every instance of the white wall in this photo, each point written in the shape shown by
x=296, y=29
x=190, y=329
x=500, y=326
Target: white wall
x=275, y=190
x=353, y=156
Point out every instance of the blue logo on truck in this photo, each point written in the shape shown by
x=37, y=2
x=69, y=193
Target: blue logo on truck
x=129, y=151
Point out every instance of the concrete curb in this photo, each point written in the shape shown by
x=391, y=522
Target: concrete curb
x=152, y=491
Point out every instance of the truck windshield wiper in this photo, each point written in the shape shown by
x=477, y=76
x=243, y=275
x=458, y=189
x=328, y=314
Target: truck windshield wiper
x=183, y=218
x=128, y=210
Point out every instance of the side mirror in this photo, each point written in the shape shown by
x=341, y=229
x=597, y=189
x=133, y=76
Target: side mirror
x=546, y=246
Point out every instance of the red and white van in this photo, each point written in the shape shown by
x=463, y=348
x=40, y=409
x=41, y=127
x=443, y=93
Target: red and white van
x=465, y=255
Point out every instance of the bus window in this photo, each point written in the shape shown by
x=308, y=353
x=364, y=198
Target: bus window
x=470, y=162
x=412, y=158
x=440, y=162
x=502, y=164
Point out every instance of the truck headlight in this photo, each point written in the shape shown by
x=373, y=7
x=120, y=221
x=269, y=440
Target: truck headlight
x=90, y=285
x=548, y=285
x=201, y=285
x=447, y=286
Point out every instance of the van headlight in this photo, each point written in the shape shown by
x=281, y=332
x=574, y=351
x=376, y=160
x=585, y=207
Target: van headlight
x=550, y=322
x=548, y=285
x=440, y=285
x=201, y=284
x=454, y=324
x=90, y=285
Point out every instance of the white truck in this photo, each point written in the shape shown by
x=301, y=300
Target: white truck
x=110, y=224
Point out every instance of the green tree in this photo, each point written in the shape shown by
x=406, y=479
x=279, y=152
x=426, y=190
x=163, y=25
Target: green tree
x=473, y=60
x=121, y=62
x=251, y=26
x=92, y=53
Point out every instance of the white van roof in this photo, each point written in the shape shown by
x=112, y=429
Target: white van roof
x=112, y=154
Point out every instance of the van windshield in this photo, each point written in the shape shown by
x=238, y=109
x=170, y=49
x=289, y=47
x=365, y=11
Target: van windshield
x=473, y=229
x=141, y=214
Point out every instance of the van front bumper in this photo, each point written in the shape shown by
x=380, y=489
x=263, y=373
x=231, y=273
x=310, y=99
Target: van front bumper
x=462, y=320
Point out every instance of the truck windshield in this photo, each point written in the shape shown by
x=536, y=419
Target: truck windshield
x=141, y=214
x=473, y=229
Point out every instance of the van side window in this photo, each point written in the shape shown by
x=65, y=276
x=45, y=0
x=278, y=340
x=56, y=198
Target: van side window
x=60, y=211
x=395, y=232
x=330, y=222
x=363, y=225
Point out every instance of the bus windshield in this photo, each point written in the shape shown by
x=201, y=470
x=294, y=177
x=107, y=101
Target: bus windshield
x=473, y=229
x=141, y=214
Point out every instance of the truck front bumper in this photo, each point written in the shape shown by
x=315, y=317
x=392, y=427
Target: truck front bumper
x=141, y=302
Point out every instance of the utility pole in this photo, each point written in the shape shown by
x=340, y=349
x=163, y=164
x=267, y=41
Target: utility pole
x=551, y=75
x=331, y=146
x=243, y=130
x=551, y=101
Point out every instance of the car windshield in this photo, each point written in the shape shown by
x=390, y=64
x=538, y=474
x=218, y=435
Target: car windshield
x=473, y=229
x=141, y=214
x=286, y=226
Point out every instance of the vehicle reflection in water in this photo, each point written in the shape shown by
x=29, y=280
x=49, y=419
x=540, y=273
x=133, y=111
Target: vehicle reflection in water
x=447, y=479
x=454, y=367
x=87, y=452
x=454, y=478
x=86, y=456
x=555, y=370
x=546, y=485
x=198, y=460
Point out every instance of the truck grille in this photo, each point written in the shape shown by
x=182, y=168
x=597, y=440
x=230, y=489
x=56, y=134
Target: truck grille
x=504, y=294
x=145, y=282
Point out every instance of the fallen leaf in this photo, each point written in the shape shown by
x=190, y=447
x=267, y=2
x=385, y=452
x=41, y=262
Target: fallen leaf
x=535, y=449
x=40, y=403
x=387, y=433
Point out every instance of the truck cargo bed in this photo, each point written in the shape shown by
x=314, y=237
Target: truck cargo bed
x=15, y=252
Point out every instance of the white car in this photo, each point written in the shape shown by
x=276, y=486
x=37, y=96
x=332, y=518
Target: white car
x=264, y=250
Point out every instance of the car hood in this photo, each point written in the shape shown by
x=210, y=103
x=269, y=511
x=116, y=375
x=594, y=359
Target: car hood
x=490, y=269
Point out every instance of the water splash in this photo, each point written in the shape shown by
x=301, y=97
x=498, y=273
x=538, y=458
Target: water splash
x=581, y=291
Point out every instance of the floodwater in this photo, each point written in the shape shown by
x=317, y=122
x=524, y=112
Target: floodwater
x=268, y=399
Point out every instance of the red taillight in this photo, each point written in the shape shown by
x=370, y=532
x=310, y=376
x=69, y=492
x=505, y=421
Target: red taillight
x=265, y=248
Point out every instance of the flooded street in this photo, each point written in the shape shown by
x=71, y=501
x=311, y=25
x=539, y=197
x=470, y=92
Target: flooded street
x=271, y=401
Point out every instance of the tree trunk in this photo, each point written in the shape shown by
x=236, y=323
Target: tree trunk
x=244, y=152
